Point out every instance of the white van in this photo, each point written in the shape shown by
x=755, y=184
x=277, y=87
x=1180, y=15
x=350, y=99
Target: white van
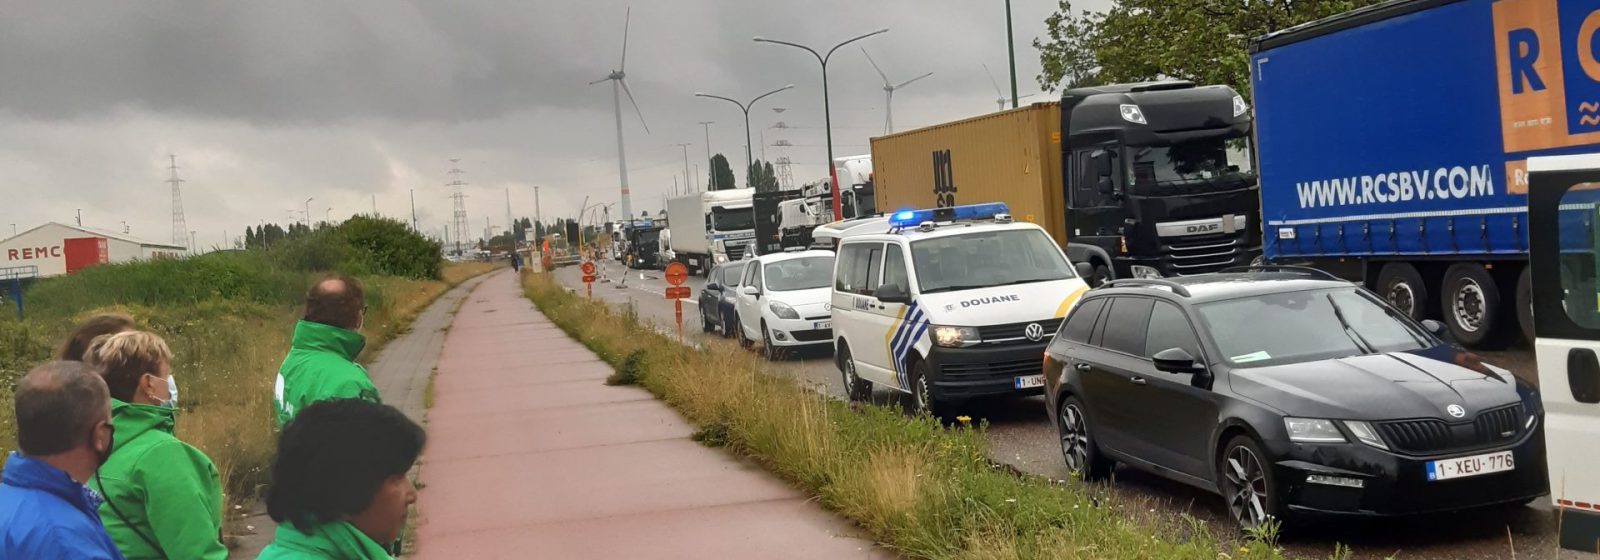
x=949, y=304
x=1563, y=205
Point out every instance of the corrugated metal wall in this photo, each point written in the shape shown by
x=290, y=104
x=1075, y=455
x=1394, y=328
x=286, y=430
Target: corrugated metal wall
x=1011, y=156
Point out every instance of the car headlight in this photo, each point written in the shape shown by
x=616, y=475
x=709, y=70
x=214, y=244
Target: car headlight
x=1312, y=430
x=951, y=337
x=1141, y=271
x=1364, y=433
x=782, y=310
x=720, y=258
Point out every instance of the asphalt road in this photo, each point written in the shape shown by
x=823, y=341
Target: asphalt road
x=1021, y=435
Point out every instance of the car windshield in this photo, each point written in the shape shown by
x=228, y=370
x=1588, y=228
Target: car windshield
x=732, y=219
x=1187, y=164
x=1306, y=326
x=991, y=258
x=731, y=274
x=799, y=274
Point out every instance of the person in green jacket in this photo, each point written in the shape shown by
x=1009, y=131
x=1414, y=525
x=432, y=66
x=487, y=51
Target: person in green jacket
x=163, y=498
x=339, y=483
x=321, y=364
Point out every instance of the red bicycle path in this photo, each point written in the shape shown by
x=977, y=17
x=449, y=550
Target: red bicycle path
x=530, y=455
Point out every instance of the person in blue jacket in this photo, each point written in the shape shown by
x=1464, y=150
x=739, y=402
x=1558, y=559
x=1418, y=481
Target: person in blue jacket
x=64, y=433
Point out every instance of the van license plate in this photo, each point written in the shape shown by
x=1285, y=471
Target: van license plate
x=1460, y=467
x=1029, y=381
x=822, y=325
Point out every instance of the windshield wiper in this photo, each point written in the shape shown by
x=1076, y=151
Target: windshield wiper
x=1349, y=331
x=956, y=288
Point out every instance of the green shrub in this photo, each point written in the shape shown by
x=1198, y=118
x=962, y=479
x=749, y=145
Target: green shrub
x=362, y=245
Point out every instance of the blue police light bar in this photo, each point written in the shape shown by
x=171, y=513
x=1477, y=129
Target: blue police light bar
x=913, y=218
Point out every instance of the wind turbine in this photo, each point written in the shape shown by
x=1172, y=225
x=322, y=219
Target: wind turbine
x=888, y=93
x=619, y=86
x=1001, y=99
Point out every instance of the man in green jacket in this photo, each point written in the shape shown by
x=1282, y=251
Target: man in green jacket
x=321, y=364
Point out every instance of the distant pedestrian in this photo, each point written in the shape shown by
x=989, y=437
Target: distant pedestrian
x=321, y=364
x=516, y=261
x=339, y=484
x=88, y=330
x=163, y=498
x=64, y=433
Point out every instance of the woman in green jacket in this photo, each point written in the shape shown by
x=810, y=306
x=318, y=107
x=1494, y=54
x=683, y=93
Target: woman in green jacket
x=163, y=498
x=339, y=484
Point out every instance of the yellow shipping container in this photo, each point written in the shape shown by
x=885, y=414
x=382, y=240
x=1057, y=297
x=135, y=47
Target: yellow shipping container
x=1011, y=156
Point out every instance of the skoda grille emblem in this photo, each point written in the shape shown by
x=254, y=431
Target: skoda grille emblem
x=1456, y=410
x=1034, y=332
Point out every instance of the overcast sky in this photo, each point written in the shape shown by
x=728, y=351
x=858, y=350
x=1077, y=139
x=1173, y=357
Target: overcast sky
x=269, y=103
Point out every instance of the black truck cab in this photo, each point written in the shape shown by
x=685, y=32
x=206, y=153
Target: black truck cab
x=1160, y=179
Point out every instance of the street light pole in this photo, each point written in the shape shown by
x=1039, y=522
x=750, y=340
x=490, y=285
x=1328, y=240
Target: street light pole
x=745, y=107
x=827, y=118
x=710, y=184
x=308, y=211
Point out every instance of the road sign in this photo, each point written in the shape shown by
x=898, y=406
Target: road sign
x=588, y=270
x=588, y=278
x=677, y=273
x=678, y=292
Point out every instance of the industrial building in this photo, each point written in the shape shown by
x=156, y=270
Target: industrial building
x=56, y=249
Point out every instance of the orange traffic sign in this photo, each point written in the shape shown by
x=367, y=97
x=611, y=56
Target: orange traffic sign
x=678, y=292
x=588, y=268
x=588, y=278
x=677, y=273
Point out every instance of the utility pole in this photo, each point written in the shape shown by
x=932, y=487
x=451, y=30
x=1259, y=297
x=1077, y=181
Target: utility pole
x=1011, y=50
x=686, y=181
x=374, y=206
x=537, y=219
x=510, y=225
x=192, y=249
x=460, y=203
x=80, y=217
x=707, y=126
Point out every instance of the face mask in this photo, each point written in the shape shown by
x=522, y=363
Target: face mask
x=172, y=392
x=111, y=441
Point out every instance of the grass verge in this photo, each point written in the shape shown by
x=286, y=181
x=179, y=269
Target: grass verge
x=922, y=489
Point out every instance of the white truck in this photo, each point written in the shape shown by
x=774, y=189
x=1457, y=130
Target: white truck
x=711, y=227
x=855, y=180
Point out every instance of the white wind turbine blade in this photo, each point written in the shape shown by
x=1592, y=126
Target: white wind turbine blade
x=908, y=82
x=626, y=20
x=875, y=67
x=992, y=82
x=635, y=105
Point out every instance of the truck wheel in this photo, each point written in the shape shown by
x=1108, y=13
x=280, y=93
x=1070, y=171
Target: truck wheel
x=1401, y=285
x=1471, y=304
x=1524, y=303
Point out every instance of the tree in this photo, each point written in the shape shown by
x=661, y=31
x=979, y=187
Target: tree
x=761, y=176
x=721, y=174
x=1204, y=41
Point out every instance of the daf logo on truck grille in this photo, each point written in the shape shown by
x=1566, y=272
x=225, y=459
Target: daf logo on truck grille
x=1204, y=228
x=1034, y=332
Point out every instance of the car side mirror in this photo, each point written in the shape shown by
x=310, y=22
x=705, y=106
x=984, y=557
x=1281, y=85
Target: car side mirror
x=1435, y=328
x=1084, y=269
x=1176, y=360
x=750, y=291
x=892, y=293
x=1105, y=186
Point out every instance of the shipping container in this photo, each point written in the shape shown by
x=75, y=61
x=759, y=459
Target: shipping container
x=1011, y=156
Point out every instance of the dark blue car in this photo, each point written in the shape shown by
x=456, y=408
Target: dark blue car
x=716, y=299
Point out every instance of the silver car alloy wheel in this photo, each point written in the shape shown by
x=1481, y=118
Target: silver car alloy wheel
x=1246, y=490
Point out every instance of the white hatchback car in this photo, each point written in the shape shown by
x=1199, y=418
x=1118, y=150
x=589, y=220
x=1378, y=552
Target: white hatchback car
x=785, y=301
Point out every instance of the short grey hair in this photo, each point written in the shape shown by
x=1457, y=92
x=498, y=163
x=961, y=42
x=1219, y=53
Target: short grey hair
x=57, y=403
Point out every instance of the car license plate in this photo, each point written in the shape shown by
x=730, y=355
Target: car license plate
x=1459, y=467
x=1030, y=381
x=824, y=325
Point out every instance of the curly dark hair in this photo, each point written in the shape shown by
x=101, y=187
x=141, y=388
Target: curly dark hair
x=106, y=323
x=334, y=456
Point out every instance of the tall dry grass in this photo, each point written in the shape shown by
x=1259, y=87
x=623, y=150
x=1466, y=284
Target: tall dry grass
x=226, y=357
x=918, y=487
